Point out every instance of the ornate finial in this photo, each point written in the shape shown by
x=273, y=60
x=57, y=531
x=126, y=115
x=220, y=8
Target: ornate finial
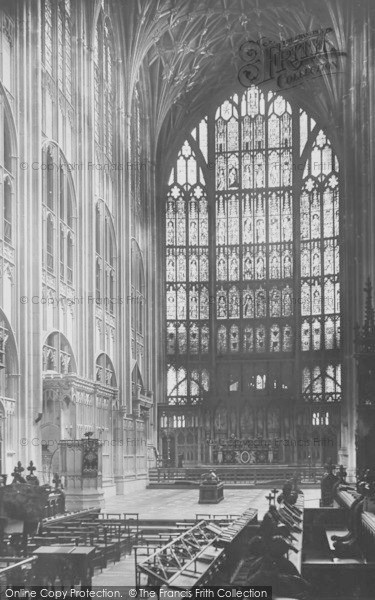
x=17, y=473
x=31, y=478
x=274, y=492
x=269, y=498
x=18, y=469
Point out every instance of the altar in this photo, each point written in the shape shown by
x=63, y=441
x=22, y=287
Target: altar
x=211, y=489
x=240, y=451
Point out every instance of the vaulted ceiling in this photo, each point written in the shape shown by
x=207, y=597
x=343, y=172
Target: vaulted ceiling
x=187, y=51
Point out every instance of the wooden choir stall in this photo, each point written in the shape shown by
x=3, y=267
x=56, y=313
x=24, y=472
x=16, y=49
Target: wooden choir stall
x=325, y=553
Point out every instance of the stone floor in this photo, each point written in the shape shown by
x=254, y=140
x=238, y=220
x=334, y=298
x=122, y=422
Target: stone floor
x=178, y=504
x=183, y=503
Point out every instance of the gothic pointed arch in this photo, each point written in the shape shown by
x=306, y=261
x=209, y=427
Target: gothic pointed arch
x=105, y=371
x=58, y=356
x=9, y=359
x=252, y=271
x=8, y=205
x=106, y=258
x=59, y=220
x=104, y=82
x=9, y=388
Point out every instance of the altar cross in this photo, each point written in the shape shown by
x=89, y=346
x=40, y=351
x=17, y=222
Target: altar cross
x=31, y=468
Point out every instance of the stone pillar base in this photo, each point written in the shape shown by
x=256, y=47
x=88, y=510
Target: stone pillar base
x=84, y=499
x=120, y=485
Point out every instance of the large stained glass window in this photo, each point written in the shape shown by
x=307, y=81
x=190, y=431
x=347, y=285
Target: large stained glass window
x=254, y=225
x=252, y=300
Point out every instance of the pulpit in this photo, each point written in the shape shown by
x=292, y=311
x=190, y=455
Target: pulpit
x=211, y=489
x=81, y=467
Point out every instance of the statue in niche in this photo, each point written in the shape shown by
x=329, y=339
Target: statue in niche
x=193, y=307
x=248, y=268
x=234, y=267
x=246, y=177
x=170, y=232
x=287, y=266
x=221, y=268
x=287, y=228
x=248, y=229
x=275, y=268
x=222, y=308
x=274, y=229
x=248, y=306
x=260, y=231
x=193, y=268
x=260, y=267
x=170, y=269
x=316, y=264
x=315, y=226
x=233, y=176
x=221, y=232
x=234, y=306
x=193, y=232
x=259, y=175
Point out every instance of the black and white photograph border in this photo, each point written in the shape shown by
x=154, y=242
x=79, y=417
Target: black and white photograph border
x=187, y=325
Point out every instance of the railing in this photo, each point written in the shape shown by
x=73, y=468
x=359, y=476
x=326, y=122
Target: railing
x=131, y=521
x=20, y=572
x=210, y=517
x=232, y=474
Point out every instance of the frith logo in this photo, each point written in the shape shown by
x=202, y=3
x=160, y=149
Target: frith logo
x=289, y=62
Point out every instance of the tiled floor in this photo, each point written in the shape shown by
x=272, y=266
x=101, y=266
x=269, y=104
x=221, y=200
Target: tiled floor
x=179, y=504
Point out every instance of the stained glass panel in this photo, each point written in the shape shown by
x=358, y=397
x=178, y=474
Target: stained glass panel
x=319, y=226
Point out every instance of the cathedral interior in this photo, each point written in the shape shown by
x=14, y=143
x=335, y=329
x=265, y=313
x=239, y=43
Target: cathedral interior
x=187, y=245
